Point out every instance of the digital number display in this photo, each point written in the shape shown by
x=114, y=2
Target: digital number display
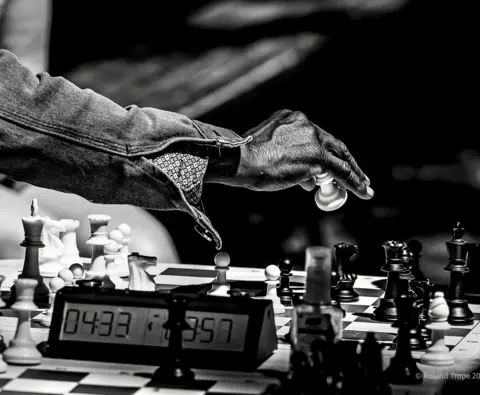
x=143, y=326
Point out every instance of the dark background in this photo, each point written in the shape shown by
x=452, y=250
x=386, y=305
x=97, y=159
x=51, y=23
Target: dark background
x=397, y=88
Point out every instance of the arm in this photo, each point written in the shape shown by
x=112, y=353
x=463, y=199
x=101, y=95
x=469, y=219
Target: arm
x=57, y=136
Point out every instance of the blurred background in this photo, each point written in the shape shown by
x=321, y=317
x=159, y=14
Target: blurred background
x=391, y=78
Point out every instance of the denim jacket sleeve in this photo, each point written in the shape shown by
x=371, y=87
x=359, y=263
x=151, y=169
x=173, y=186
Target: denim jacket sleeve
x=57, y=136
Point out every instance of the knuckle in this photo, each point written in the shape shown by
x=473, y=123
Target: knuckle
x=299, y=116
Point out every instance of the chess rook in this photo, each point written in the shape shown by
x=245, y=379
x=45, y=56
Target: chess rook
x=394, y=265
x=329, y=196
x=22, y=349
x=33, y=226
x=460, y=313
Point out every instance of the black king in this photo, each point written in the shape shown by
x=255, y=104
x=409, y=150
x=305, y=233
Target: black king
x=460, y=313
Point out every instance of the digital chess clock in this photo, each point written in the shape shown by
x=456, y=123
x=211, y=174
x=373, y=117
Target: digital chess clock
x=127, y=327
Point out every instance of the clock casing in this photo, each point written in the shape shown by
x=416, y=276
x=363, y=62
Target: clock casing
x=126, y=326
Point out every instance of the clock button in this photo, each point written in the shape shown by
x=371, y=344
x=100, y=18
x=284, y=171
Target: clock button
x=239, y=293
x=93, y=283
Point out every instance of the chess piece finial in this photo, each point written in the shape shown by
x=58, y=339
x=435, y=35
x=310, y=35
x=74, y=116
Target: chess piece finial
x=458, y=232
x=34, y=208
x=222, y=259
x=272, y=273
x=329, y=196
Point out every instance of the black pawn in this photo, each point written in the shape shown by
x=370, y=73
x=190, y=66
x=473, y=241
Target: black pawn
x=394, y=265
x=415, y=249
x=173, y=369
x=344, y=272
x=403, y=369
x=284, y=290
x=460, y=313
x=371, y=365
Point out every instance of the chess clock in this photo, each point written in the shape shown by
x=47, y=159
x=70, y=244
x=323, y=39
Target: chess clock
x=126, y=326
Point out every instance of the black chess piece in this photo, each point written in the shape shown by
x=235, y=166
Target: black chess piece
x=417, y=340
x=460, y=313
x=173, y=368
x=296, y=380
x=345, y=273
x=284, y=290
x=387, y=310
x=415, y=248
x=403, y=369
x=425, y=291
x=371, y=366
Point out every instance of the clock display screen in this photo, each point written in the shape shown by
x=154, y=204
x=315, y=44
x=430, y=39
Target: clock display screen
x=144, y=326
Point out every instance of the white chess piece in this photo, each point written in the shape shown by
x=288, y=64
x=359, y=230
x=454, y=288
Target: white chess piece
x=3, y=365
x=2, y=303
x=70, y=254
x=272, y=274
x=98, y=239
x=49, y=256
x=438, y=353
x=55, y=284
x=329, y=196
x=22, y=349
x=67, y=276
x=140, y=279
x=110, y=251
x=220, y=286
x=119, y=267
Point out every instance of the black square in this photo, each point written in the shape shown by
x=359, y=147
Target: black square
x=41, y=374
x=103, y=390
x=185, y=272
x=199, y=385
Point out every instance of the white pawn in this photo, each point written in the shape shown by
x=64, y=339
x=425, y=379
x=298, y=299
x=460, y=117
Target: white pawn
x=124, y=250
x=119, y=266
x=2, y=303
x=438, y=353
x=22, y=349
x=67, y=276
x=272, y=274
x=220, y=286
x=55, y=284
x=110, y=251
x=329, y=196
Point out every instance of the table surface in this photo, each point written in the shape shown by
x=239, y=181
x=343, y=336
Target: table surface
x=433, y=376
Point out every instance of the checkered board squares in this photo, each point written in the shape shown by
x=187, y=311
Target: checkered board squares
x=58, y=380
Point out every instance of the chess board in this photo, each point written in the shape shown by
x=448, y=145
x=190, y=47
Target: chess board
x=55, y=376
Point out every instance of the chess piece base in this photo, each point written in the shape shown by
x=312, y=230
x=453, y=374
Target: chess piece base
x=460, y=313
x=173, y=375
x=437, y=359
x=398, y=373
x=22, y=354
x=386, y=311
x=417, y=341
x=346, y=293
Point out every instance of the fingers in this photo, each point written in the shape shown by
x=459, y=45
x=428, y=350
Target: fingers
x=343, y=172
x=345, y=154
x=308, y=185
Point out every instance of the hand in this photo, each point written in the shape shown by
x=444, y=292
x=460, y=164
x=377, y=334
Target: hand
x=288, y=150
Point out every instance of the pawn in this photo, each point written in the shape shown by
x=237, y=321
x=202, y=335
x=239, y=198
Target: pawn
x=272, y=274
x=55, y=284
x=329, y=196
x=22, y=349
x=284, y=290
x=438, y=353
x=220, y=286
x=77, y=270
x=67, y=276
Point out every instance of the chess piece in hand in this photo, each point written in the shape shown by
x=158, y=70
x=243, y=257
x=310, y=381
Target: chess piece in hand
x=287, y=150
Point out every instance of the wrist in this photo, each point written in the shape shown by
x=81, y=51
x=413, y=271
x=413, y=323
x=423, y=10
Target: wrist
x=222, y=165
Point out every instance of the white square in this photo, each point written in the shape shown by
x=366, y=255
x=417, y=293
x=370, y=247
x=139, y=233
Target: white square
x=40, y=386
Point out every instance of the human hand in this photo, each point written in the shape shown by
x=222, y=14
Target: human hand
x=287, y=150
